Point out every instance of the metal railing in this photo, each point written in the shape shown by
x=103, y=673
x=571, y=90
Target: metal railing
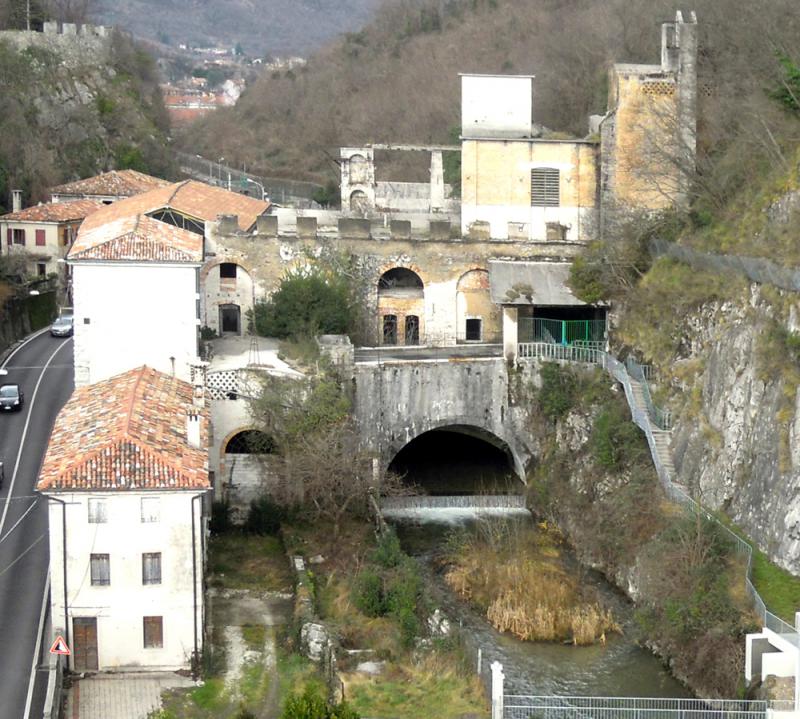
x=642, y=417
x=564, y=332
x=585, y=353
x=523, y=707
x=661, y=417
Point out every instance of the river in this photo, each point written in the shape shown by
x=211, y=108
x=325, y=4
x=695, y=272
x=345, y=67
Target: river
x=617, y=668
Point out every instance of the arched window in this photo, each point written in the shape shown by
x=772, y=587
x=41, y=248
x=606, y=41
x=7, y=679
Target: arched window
x=401, y=280
x=250, y=441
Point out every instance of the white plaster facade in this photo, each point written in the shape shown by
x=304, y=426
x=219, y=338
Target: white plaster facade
x=131, y=314
x=120, y=606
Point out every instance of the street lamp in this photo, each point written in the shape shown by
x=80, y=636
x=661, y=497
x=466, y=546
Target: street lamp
x=263, y=191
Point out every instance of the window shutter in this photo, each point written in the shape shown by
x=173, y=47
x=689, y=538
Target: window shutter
x=9, y=235
x=40, y=241
x=153, y=632
x=545, y=187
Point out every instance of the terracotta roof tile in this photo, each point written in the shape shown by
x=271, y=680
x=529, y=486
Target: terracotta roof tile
x=127, y=433
x=55, y=212
x=138, y=238
x=117, y=183
x=192, y=198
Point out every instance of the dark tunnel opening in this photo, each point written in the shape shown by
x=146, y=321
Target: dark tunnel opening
x=451, y=462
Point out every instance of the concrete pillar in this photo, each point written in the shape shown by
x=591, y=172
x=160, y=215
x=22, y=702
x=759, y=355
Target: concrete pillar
x=510, y=333
x=437, y=181
x=498, y=691
x=69, y=28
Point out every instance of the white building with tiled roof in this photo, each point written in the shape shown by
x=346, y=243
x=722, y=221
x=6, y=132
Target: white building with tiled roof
x=136, y=278
x=125, y=475
x=44, y=232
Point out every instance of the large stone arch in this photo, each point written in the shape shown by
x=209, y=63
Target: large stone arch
x=470, y=426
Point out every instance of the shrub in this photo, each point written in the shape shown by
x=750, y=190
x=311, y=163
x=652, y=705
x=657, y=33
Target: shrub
x=556, y=396
x=388, y=552
x=616, y=442
x=264, y=517
x=368, y=594
x=220, y=518
x=206, y=333
x=305, y=304
x=312, y=705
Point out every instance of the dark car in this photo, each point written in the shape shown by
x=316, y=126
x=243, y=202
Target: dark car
x=62, y=327
x=11, y=397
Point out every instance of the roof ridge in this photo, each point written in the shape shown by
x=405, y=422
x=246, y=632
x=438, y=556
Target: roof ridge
x=142, y=370
x=180, y=186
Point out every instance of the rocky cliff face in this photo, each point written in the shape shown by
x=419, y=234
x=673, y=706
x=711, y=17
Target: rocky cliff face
x=736, y=440
x=74, y=106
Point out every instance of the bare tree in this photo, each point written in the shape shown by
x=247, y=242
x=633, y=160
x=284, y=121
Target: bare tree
x=74, y=11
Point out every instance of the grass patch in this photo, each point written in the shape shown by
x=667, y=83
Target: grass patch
x=255, y=635
x=430, y=688
x=237, y=561
x=779, y=589
x=209, y=696
x=515, y=573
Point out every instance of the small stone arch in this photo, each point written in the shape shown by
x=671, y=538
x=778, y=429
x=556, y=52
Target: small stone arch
x=401, y=306
x=249, y=441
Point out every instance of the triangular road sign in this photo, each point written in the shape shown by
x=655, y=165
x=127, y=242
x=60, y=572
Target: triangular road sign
x=60, y=646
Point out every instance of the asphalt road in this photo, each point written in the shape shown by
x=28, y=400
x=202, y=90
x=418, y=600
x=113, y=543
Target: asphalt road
x=24, y=552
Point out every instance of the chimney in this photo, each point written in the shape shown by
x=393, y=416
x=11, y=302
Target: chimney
x=16, y=200
x=193, y=422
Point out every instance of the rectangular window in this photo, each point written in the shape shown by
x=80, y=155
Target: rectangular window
x=545, y=187
x=19, y=237
x=151, y=509
x=40, y=238
x=473, y=330
x=227, y=271
x=151, y=568
x=100, y=569
x=97, y=511
x=41, y=269
x=153, y=632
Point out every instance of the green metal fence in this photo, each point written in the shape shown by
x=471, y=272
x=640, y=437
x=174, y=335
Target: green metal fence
x=561, y=332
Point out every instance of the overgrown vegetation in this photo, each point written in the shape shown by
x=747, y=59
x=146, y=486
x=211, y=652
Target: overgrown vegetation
x=516, y=574
x=371, y=594
x=599, y=485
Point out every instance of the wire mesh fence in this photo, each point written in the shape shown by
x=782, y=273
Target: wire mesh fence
x=758, y=269
x=527, y=707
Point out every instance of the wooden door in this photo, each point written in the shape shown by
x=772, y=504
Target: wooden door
x=84, y=630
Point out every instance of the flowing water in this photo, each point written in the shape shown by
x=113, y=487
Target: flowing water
x=617, y=668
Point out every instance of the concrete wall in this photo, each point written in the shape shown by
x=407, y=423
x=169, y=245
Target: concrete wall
x=128, y=315
x=496, y=188
x=398, y=401
x=120, y=606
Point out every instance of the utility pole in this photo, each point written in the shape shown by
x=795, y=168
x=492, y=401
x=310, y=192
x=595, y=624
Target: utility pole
x=28, y=14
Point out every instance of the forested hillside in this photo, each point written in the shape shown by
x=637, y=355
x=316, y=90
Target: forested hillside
x=397, y=79
x=261, y=27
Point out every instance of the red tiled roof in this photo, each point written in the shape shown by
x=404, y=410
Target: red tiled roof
x=127, y=433
x=138, y=238
x=190, y=197
x=117, y=183
x=55, y=212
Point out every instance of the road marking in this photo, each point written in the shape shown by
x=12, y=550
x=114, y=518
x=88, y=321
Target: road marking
x=32, y=680
x=35, y=542
x=31, y=405
x=17, y=523
x=24, y=342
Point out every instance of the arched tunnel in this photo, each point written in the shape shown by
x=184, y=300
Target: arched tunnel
x=457, y=460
